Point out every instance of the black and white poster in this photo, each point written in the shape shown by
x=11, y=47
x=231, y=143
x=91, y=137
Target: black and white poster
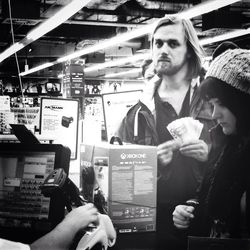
x=59, y=119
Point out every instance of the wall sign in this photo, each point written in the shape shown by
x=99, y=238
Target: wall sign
x=59, y=119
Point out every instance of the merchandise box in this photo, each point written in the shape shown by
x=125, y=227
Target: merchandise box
x=125, y=183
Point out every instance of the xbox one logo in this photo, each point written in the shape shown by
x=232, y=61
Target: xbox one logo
x=123, y=156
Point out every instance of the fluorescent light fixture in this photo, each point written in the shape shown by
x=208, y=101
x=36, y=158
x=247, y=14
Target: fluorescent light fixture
x=113, y=63
x=197, y=10
x=57, y=19
x=225, y=36
x=109, y=43
x=11, y=50
x=128, y=72
x=61, y=16
x=43, y=66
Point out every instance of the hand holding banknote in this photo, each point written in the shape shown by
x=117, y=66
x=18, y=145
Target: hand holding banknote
x=186, y=131
x=165, y=151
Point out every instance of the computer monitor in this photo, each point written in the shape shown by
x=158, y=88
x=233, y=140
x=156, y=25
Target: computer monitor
x=25, y=214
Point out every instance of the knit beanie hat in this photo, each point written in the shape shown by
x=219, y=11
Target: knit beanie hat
x=223, y=47
x=233, y=68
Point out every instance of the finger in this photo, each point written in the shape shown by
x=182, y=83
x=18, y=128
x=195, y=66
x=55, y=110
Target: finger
x=192, y=152
x=183, y=211
x=195, y=143
x=94, y=218
x=191, y=141
x=200, y=157
x=182, y=223
x=187, y=213
x=89, y=206
x=198, y=150
x=165, y=161
x=193, y=147
x=181, y=227
x=172, y=144
x=187, y=146
x=166, y=158
x=164, y=153
x=189, y=153
x=190, y=210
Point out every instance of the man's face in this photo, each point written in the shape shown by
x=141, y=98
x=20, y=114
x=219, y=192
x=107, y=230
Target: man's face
x=169, y=52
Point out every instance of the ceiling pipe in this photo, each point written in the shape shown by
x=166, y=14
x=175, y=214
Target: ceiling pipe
x=133, y=8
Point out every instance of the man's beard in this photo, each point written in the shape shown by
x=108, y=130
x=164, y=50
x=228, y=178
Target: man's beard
x=163, y=69
x=166, y=68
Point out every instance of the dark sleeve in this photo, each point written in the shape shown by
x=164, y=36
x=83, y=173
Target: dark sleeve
x=124, y=131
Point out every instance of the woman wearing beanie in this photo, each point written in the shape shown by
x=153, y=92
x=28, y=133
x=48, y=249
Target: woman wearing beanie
x=217, y=206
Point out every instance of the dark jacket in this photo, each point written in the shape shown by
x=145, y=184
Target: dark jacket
x=221, y=191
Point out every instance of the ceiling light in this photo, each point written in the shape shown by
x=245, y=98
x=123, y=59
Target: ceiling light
x=197, y=10
x=225, y=36
x=109, y=43
x=57, y=19
x=11, y=50
x=129, y=72
x=43, y=66
x=113, y=63
x=51, y=23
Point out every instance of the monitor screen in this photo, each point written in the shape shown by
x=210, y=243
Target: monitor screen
x=115, y=107
x=23, y=168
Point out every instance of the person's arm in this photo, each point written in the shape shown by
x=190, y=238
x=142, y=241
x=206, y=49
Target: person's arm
x=62, y=235
x=11, y=245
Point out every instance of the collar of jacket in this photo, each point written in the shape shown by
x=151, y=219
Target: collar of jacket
x=147, y=96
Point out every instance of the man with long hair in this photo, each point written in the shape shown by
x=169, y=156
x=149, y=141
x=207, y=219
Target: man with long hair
x=170, y=93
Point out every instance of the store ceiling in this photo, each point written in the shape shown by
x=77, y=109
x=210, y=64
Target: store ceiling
x=100, y=20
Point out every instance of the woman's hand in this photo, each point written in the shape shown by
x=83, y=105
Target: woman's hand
x=182, y=216
x=196, y=149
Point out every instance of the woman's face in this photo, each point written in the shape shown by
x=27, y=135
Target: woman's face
x=225, y=118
